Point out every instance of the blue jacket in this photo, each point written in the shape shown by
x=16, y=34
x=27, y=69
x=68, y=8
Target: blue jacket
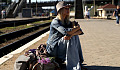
x=57, y=31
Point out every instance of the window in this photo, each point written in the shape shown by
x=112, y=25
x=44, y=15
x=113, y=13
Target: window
x=111, y=11
x=107, y=12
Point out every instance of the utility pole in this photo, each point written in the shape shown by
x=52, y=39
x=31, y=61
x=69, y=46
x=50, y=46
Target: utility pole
x=29, y=3
x=94, y=8
x=78, y=9
x=36, y=6
x=112, y=2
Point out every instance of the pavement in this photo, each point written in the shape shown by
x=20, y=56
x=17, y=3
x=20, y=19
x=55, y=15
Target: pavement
x=18, y=19
x=100, y=45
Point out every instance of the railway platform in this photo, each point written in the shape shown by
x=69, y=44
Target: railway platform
x=100, y=45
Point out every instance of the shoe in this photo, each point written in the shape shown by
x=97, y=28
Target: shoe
x=117, y=24
x=83, y=68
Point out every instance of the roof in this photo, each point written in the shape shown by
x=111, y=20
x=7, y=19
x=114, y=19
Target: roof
x=53, y=11
x=107, y=6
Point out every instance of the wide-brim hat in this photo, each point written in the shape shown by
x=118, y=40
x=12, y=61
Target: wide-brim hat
x=61, y=5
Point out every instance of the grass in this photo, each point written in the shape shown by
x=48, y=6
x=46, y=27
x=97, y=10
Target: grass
x=22, y=26
x=42, y=22
x=9, y=28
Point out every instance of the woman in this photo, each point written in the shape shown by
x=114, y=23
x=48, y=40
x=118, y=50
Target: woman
x=63, y=41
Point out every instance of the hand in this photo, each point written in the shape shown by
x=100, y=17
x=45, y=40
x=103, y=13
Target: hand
x=67, y=37
x=78, y=26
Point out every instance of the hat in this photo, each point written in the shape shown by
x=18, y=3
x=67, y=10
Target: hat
x=61, y=5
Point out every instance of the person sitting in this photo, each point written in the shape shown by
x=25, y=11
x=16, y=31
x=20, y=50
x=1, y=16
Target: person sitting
x=63, y=41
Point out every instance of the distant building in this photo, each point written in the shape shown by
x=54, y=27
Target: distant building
x=106, y=10
x=99, y=2
x=52, y=13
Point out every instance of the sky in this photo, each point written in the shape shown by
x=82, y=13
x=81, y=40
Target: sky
x=34, y=0
x=40, y=1
x=37, y=0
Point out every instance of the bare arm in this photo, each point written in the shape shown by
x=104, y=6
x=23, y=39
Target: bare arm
x=74, y=30
x=76, y=33
x=114, y=13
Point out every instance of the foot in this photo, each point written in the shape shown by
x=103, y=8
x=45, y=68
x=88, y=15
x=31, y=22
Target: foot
x=83, y=68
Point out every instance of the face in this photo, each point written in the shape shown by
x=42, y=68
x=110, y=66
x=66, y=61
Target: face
x=66, y=11
x=118, y=7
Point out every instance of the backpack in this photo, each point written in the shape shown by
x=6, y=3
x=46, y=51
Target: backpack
x=21, y=63
x=45, y=62
x=25, y=62
x=36, y=59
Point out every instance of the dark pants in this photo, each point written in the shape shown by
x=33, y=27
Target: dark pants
x=117, y=19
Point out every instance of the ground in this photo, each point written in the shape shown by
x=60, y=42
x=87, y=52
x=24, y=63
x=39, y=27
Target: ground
x=100, y=45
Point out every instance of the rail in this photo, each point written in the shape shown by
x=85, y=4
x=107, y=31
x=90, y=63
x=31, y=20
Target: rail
x=13, y=46
x=15, y=34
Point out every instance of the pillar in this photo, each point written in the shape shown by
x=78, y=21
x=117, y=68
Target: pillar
x=78, y=9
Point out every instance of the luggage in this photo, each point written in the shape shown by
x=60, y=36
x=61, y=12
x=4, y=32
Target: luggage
x=36, y=59
x=21, y=63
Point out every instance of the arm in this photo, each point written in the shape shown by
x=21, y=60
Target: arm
x=114, y=13
x=75, y=29
x=63, y=30
x=56, y=25
x=75, y=33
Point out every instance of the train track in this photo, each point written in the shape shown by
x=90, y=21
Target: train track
x=12, y=35
x=20, y=22
x=31, y=33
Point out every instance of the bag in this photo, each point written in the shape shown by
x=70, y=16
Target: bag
x=49, y=66
x=42, y=51
x=21, y=63
x=46, y=64
x=26, y=61
x=75, y=24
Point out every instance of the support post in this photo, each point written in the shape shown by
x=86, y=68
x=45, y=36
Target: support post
x=112, y=2
x=29, y=3
x=94, y=8
x=36, y=6
x=78, y=9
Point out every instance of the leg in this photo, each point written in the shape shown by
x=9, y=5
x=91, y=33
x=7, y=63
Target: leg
x=68, y=50
x=80, y=53
x=72, y=54
x=79, y=50
x=117, y=19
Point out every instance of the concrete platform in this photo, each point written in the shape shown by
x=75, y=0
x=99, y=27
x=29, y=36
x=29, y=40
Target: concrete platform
x=17, y=19
x=100, y=45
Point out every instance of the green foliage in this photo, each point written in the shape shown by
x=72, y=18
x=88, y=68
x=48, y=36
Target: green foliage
x=23, y=26
x=7, y=1
x=42, y=21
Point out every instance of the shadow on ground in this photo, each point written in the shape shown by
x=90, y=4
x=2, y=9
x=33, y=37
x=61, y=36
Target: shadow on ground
x=102, y=68
x=1, y=32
